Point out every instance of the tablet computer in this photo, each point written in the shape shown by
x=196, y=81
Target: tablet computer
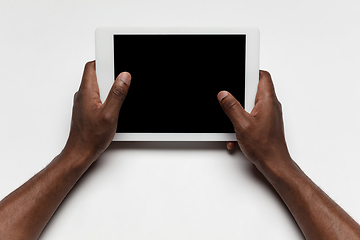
x=176, y=76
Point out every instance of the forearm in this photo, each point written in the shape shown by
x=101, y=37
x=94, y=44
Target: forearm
x=317, y=215
x=25, y=212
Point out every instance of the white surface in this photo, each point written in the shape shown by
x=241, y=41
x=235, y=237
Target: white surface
x=176, y=190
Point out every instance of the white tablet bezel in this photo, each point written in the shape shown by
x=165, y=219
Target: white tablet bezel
x=104, y=55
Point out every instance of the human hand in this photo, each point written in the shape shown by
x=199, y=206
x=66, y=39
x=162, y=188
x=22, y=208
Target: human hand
x=94, y=123
x=260, y=134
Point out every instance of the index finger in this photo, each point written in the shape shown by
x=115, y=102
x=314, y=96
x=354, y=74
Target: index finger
x=265, y=87
x=89, y=80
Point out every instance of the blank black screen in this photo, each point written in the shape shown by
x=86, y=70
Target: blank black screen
x=175, y=81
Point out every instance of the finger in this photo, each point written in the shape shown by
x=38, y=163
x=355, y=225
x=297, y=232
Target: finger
x=117, y=94
x=89, y=80
x=265, y=87
x=233, y=109
x=230, y=145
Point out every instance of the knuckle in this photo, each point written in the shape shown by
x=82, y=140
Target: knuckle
x=272, y=97
x=107, y=118
x=230, y=104
x=247, y=126
x=118, y=91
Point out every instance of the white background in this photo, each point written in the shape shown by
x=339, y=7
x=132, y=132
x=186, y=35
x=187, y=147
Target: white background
x=181, y=190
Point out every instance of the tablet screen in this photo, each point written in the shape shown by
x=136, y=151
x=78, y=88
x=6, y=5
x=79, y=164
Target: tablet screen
x=176, y=79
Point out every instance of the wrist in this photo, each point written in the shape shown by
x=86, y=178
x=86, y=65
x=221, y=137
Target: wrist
x=79, y=153
x=277, y=170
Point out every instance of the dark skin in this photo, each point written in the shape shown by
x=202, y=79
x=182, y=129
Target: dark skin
x=25, y=212
x=260, y=135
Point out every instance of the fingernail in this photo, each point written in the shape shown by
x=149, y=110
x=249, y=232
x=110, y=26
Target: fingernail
x=125, y=77
x=222, y=95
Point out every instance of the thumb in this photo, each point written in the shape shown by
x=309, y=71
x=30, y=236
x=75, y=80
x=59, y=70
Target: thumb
x=117, y=94
x=233, y=109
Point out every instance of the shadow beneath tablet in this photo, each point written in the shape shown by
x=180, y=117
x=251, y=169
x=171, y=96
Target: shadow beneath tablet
x=174, y=145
